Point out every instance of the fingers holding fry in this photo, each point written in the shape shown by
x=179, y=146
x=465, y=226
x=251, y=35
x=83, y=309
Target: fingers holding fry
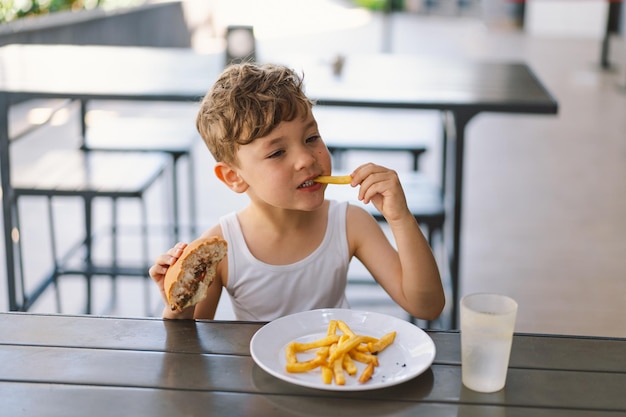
x=335, y=354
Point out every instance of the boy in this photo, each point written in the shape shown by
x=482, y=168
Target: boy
x=289, y=249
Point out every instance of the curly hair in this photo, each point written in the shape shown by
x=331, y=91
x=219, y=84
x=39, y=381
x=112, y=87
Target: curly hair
x=247, y=102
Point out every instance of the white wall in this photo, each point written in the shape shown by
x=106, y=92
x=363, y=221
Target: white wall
x=580, y=18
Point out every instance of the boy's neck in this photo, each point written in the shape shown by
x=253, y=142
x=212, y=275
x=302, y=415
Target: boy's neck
x=281, y=220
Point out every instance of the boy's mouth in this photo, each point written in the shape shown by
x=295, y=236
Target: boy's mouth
x=307, y=184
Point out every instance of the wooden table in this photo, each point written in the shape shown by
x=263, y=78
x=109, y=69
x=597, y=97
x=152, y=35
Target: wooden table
x=458, y=87
x=86, y=365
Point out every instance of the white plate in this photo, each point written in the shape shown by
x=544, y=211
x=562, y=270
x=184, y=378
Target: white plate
x=411, y=353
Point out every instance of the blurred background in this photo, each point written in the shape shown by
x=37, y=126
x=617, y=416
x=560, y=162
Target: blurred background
x=545, y=196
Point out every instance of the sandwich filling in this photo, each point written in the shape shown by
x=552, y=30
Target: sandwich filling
x=198, y=269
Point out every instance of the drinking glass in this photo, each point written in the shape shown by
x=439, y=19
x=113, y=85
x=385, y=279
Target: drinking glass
x=487, y=324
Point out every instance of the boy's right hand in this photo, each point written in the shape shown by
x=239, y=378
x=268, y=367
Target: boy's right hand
x=381, y=186
x=161, y=265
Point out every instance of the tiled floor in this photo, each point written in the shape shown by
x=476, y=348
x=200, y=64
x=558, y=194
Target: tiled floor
x=545, y=196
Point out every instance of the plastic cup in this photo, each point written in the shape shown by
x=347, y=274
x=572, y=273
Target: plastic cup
x=487, y=324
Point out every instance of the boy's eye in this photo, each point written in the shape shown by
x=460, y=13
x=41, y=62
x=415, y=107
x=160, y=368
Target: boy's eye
x=276, y=154
x=313, y=138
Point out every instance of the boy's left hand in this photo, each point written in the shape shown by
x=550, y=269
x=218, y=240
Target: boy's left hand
x=381, y=187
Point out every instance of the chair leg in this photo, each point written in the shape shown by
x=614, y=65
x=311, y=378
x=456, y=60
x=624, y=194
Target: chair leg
x=19, y=252
x=443, y=262
x=53, y=249
x=145, y=255
x=192, y=195
x=444, y=150
x=114, y=253
x=175, y=201
x=416, y=161
x=88, y=260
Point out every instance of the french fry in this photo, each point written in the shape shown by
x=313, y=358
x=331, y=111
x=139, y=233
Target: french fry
x=340, y=377
x=367, y=373
x=349, y=366
x=300, y=367
x=290, y=353
x=335, y=354
x=334, y=179
x=362, y=348
x=326, y=341
x=348, y=331
x=337, y=367
x=344, y=348
x=364, y=357
x=332, y=328
x=345, y=328
x=382, y=343
x=327, y=375
x=323, y=352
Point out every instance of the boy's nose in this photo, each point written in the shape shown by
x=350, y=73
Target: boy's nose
x=305, y=158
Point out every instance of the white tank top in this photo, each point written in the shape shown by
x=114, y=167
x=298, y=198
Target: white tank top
x=264, y=292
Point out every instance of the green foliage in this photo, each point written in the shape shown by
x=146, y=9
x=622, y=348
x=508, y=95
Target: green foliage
x=388, y=5
x=15, y=9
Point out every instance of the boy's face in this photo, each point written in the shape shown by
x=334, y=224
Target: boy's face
x=278, y=168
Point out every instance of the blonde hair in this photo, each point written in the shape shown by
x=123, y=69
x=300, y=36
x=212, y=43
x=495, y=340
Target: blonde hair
x=247, y=102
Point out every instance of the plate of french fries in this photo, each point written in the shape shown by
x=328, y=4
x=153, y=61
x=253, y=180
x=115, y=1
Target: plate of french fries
x=342, y=349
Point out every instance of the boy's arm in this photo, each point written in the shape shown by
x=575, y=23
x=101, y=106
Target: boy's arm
x=206, y=308
x=410, y=274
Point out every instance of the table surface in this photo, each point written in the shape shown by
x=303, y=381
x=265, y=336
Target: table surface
x=181, y=74
x=463, y=88
x=57, y=365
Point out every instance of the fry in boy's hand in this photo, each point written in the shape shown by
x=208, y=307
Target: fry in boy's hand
x=335, y=354
x=333, y=179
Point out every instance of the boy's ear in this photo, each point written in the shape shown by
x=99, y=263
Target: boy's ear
x=229, y=176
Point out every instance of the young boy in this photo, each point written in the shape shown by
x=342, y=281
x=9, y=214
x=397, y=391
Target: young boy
x=289, y=249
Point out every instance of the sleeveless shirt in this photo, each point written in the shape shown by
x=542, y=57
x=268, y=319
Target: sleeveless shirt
x=264, y=292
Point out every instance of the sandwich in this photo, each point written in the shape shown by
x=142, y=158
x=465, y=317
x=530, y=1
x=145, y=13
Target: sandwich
x=187, y=281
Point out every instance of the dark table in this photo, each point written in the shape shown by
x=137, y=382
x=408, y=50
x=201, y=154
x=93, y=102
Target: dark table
x=461, y=88
x=66, y=366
